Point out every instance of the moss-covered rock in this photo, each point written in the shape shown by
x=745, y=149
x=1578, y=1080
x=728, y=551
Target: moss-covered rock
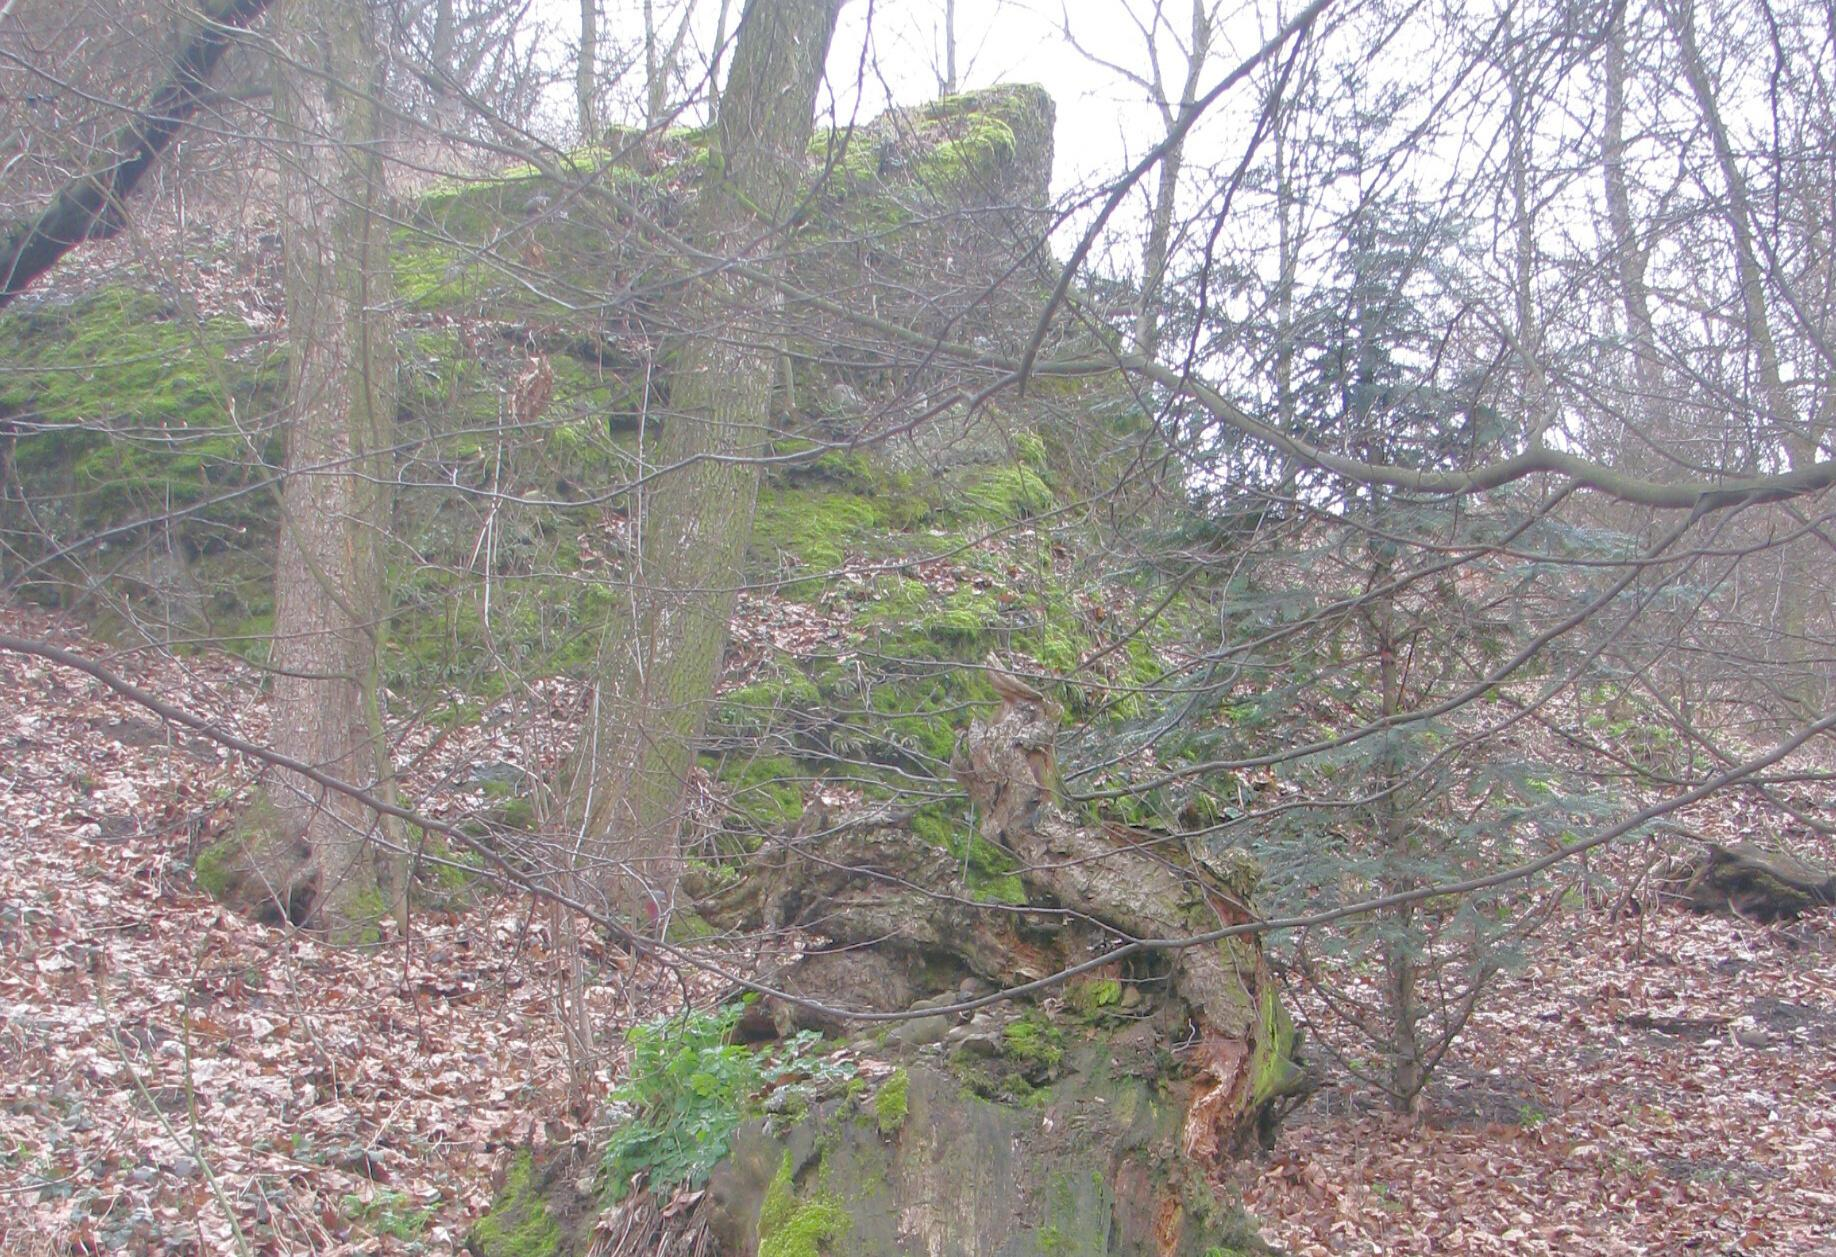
x=892, y=1102
x=1091, y=1169
x=798, y=1225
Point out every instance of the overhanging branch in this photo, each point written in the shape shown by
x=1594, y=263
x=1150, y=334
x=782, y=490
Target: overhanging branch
x=89, y=206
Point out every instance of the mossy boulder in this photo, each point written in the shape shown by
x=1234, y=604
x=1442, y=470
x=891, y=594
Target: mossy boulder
x=1088, y=1167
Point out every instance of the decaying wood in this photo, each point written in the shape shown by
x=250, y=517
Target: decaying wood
x=1753, y=882
x=901, y=928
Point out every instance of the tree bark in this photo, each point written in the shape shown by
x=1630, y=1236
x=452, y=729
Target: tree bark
x=314, y=850
x=1159, y=243
x=586, y=71
x=658, y=669
x=901, y=927
x=1158, y=1065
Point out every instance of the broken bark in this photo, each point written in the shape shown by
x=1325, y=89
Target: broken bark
x=1193, y=1039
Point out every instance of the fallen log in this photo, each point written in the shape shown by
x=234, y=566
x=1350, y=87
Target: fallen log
x=1753, y=882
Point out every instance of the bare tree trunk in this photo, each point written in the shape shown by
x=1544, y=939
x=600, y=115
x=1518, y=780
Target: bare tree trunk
x=1166, y=193
x=948, y=86
x=1408, y=1066
x=1288, y=266
x=1750, y=274
x=660, y=67
x=91, y=206
x=1799, y=435
x=658, y=671
x=586, y=71
x=1536, y=414
x=1630, y=258
x=315, y=848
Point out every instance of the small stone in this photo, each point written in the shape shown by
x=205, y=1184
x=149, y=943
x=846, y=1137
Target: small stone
x=1131, y=995
x=183, y=1167
x=919, y=1031
x=936, y=1001
x=982, y=1041
x=1749, y=1032
x=142, y=1174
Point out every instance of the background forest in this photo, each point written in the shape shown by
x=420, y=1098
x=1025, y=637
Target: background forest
x=726, y=626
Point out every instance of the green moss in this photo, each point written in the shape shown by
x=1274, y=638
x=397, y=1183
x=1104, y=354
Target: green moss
x=769, y=789
x=689, y=927
x=813, y=528
x=848, y=162
x=1273, y=1071
x=984, y=142
x=754, y=708
x=1033, y=1040
x=429, y=275
x=1093, y=998
x=519, y=1224
x=790, y=1226
x=890, y=1103
x=515, y=814
x=214, y=869
x=990, y=874
x=1005, y=494
x=447, y=868
x=136, y=408
x=917, y=623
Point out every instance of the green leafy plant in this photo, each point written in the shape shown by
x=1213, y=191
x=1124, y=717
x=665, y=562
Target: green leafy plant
x=689, y=1088
x=389, y=1213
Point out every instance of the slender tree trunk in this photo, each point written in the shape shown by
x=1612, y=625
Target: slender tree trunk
x=1629, y=257
x=1408, y=1065
x=658, y=671
x=661, y=64
x=1798, y=434
x=317, y=846
x=1749, y=272
x=1535, y=416
x=1166, y=193
x=1288, y=257
x=586, y=71
x=948, y=85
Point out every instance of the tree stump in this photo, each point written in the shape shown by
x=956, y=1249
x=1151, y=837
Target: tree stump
x=1092, y=1122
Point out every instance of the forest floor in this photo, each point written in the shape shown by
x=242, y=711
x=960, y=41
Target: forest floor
x=176, y=1079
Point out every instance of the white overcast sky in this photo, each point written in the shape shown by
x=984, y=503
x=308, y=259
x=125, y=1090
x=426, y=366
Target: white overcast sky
x=890, y=52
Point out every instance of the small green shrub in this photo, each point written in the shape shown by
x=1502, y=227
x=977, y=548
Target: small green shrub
x=689, y=1088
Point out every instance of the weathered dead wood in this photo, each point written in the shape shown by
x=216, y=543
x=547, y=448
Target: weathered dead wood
x=1752, y=881
x=1136, y=890
x=901, y=928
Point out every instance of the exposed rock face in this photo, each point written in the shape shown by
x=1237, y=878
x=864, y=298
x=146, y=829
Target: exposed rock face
x=1091, y=1169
